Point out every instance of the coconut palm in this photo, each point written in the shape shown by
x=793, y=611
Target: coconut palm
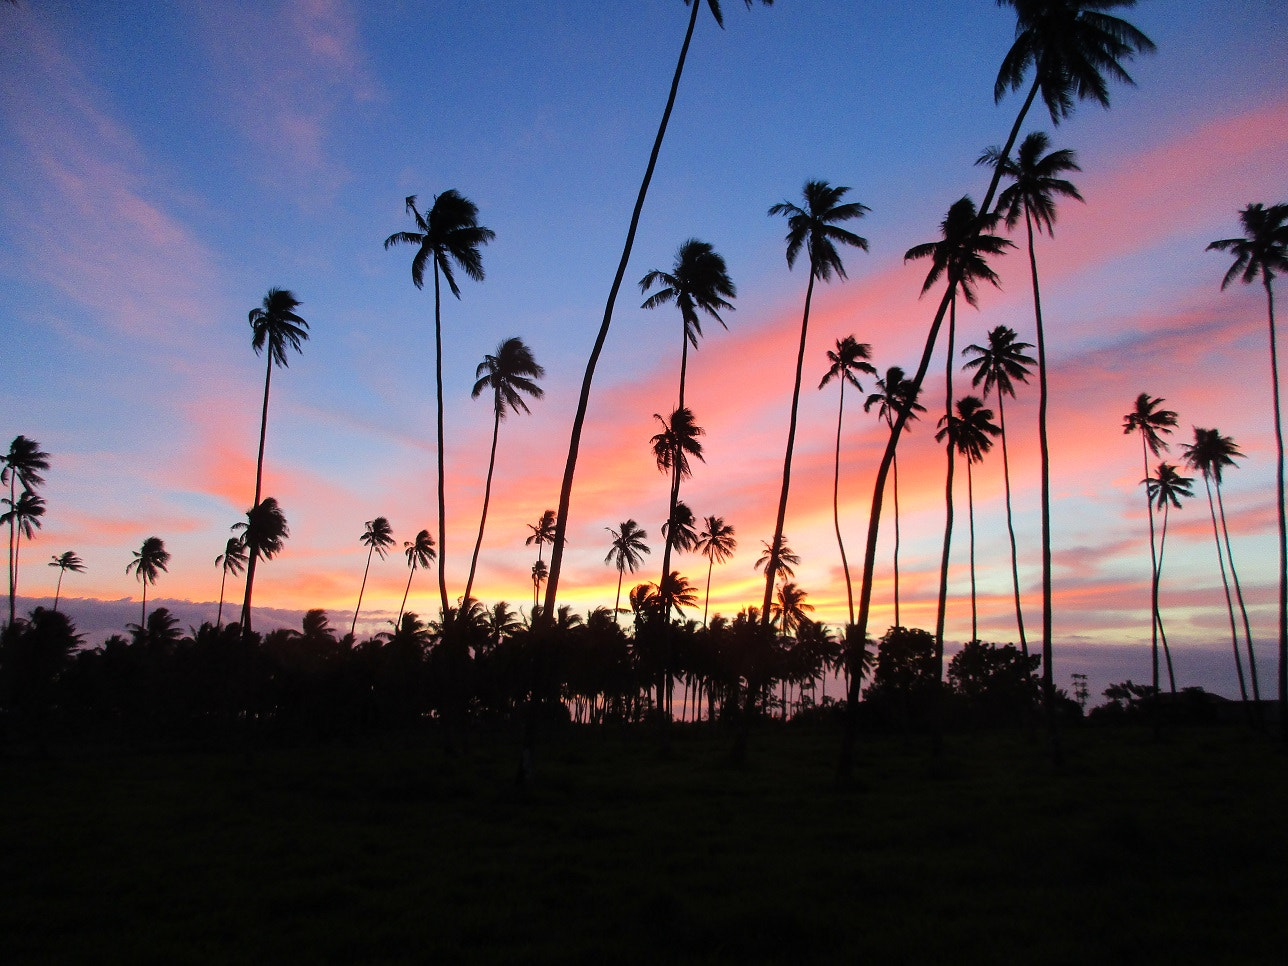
x=1152, y=423
x=698, y=282
x=23, y=517
x=583, y=399
x=895, y=394
x=543, y=531
x=626, y=552
x=849, y=357
x=24, y=464
x=791, y=608
x=419, y=553
x=510, y=374
x=447, y=234
x=999, y=365
x=68, y=560
x=717, y=543
x=782, y=561
x=231, y=561
x=814, y=228
x=970, y=432
x=672, y=449
x=502, y=622
x=540, y=574
x=1164, y=491
x=377, y=537
x=1262, y=252
x=264, y=532
x=275, y=324
x=150, y=561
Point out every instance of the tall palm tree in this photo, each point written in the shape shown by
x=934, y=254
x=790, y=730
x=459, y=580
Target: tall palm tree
x=1210, y=453
x=791, y=608
x=23, y=517
x=1164, y=491
x=540, y=574
x=1152, y=423
x=717, y=543
x=783, y=561
x=626, y=552
x=999, y=365
x=849, y=357
x=377, y=537
x=150, y=561
x=895, y=394
x=68, y=560
x=815, y=228
x=25, y=464
x=682, y=528
x=543, y=532
x=510, y=373
x=698, y=282
x=419, y=553
x=231, y=561
x=275, y=324
x=583, y=400
x=1262, y=252
x=970, y=432
x=264, y=532
x=447, y=234
x=672, y=448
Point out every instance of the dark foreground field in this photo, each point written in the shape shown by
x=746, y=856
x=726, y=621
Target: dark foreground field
x=389, y=851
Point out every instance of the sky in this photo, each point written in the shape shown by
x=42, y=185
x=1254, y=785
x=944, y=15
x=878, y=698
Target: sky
x=166, y=164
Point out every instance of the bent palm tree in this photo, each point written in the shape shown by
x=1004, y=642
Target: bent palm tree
x=264, y=532
x=150, y=561
x=68, y=560
x=274, y=324
x=672, y=448
x=420, y=553
x=377, y=537
x=231, y=561
x=717, y=543
x=1164, y=491
x=447, y=234
x=23, y=517
x=24, y=464
x=626, y=553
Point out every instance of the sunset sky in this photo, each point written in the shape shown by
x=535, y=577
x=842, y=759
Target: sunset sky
x=167, y=163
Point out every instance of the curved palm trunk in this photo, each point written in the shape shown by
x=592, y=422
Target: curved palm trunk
x=836, y=504
x=487, y=495
x=361, y=590
x=1225, y=583
x=617, y=601
x=1010, y=527
x=263, y=428
x=707, y=605
x=250, y=584
x=442, y=499
x=1158, y=577
x=894, y=467
x=1279, y=506
x=58, y=589
x=1153, y=569
x=219, y=614
x=1238, y=595
x=583, y=401
x=942, y=608
x=403, y=606
x=970, y=513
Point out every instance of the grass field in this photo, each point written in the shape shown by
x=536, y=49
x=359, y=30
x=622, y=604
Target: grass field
x=389, y=851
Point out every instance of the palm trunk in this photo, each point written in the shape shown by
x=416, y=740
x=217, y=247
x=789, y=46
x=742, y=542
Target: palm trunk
x=361, y=590
x=1010, y=527
x=143, y=610
x=403, y=606
x=13, y=586
x=617, y=601
x=1158, y=577
x=263, y=427
x=970, y=512
x=711, y=562
x=58, y=589
x=583, y=401
x=836, y=503
x=219, y=614
x=1238, y=595
x=1225, y=583
x=487, y=495
x=250, y=584
x=442, y=498
x=894, y=467
x=1153, y=568
x=1279, y=506
x=942, y=608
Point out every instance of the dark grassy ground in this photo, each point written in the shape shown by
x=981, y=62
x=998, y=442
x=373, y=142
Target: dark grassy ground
x=388, y=851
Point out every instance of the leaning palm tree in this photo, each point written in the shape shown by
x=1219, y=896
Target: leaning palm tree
x=274, y=324
x=448, y=233
x=583, y=400
x=1262, y=252
x=672, y=449
x=25, y=463
x=264, y=532
x=626, y=552
x=231, y=561
x=68, y=560
x=23, y=517
x=816, y=229
x=849, y=357
x=698, y=282
x=420, y=553
x=1152, y=423
x=377, y=537
x=1164, y=491
x=509, y=374
x=717, y=543
x=150, y=561
x=999, y=365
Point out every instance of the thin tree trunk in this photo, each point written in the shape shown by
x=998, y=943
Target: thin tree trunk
x=143, y=611
x=250, y=584
x=263, y=428
x=1158, y=578
x=487, y=495
x=1225, y=583
x=894, y=466
x=403, y=606
x=1010, y=527
x=58, y=590
x=442, y=498
x=361, y=590
x=617, y=601
x=941, y=610
x=711, y=562
x=1238, y=594
x=970, y=513
x=13, y=588
x=219, y=614
x=836, y=503
x=1153, y=567
x=1279, y=506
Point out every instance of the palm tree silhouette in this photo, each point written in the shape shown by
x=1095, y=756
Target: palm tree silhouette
x=264, y=532
x=150, y=561
x=1164, y=491
x=782, y=561
x=1263, y=252
x=447, y=234
x=25, y=464
x=895, y=394
x=377, y=537
x=583, y=399
x=791, y=608
x=684, y=524
x=1210, y=453
x=68, y=560
x=509, y=374
x=231, y=561
x=716, y=542
x=1152, y=423
x=814, y=228
x=672, y=448
x=274, y=324
x=849, y=356
x=999, y=365
x=698, y=282
x=540, y=573
x=419, y=553
x=970, y=432
x=23, y=517
x=626, y=552
x=543, y=531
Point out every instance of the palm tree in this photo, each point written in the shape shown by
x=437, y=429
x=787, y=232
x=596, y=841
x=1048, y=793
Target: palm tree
x=1152, y=423
x=626, y=552
x=583, y=400
x=264, y=532
x=68, y=560
x=849, y=356
x=896, y=394
x=672, y=448
x=447, y=234
x=509, y=374
x=716, y=542
x=540, y=573
x=543, y=531
x=150, y=561
x=25, y=463
x=816, y=229
x=377, y=537
x=501, y=623
x=682, y=528
x=1210, y=454
x=791, y=608
x=970, y=432
x=999, y=365
x=274, y=324
x=23, y=517
x=419, y=553
x=698, y=282
x=1263, y=252
x=231, y=561
x=782, y=561
x=1164, y=490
